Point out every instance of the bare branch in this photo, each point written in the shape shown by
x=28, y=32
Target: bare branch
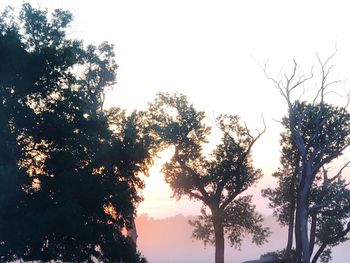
x=280, y=122
x=277, y=83
x=347, y=164
x=325, y=69
x=348, y=100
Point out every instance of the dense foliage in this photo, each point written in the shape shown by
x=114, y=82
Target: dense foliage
x=68, y=177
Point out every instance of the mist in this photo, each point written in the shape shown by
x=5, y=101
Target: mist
x=168, y=240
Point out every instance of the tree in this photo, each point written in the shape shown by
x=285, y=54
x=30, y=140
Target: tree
x=68, y=170
x=217, y=180
x=318, y=134
x=325, y=191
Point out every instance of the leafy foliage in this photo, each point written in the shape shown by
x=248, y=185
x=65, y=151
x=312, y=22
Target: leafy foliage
x=217, y=179
x=240, y=218
x=68, y=182
x=329, y=195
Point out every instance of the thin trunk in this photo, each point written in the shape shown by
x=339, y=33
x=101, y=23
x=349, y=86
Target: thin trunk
x=319, y=252
x=288, y=255
x=312, y=233
x=297, y=255
x=304, y=232
x=290, y=239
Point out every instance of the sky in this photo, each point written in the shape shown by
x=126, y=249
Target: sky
x=212, y=51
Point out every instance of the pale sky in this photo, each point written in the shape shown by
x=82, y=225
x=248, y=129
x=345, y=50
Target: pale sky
x=211, y=51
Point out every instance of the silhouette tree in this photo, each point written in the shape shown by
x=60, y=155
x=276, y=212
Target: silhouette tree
x=318, y=133
x=68, y=171
x=217, y=180
x=329, y=192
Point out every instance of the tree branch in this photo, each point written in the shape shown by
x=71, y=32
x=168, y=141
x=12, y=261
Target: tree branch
x=339, y=172
x=329, y=241
x=196, y=177
x=231, y=197
x=240, y=161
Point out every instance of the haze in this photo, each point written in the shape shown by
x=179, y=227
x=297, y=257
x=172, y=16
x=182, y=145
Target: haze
x=211, y=51
x=168, y=240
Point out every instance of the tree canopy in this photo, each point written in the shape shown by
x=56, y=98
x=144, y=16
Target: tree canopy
x=217, y=180
x=308, y=195
x=68, y=171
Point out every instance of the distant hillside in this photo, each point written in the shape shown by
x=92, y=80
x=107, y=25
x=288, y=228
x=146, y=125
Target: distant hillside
x=169, y=240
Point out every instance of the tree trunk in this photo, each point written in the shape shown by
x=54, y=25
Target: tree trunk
x=302, y=228
x=319, y=252
x=302, y=234
x=288, y=255
x=312, y=233
x=219, y=237
x=219, y=245
x=297, y=255
x=290, y=240
x=132, y=232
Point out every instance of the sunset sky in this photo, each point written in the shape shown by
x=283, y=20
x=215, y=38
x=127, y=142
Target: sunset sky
x=211, y=51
